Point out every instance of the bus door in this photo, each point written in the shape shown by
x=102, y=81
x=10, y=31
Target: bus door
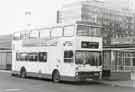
x=68, y=64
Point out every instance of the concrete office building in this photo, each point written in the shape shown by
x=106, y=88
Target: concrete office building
x=116, y=22
x=123, y=4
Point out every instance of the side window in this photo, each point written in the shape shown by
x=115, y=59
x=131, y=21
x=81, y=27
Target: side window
x=33, y=57
x=45, y=34
x=68, y=56
x=56, y=32
x=22, y=56
x=34, y=34
x=17, y=56
x=43, y=56
x=27, y=57
x=68, y=31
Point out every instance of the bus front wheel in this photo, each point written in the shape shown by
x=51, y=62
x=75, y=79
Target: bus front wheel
x=56, y=76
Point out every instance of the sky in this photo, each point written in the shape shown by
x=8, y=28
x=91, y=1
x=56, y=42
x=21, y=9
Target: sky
x=13, y=18
x=13, y=14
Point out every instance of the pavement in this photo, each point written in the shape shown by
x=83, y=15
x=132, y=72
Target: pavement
x=128, y=83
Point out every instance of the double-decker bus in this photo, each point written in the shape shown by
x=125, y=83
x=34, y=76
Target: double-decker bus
x=70, y=52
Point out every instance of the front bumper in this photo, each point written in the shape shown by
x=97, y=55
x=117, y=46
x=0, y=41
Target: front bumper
x=88, y=75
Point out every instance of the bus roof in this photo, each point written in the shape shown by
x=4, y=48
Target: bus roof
x=86, y=23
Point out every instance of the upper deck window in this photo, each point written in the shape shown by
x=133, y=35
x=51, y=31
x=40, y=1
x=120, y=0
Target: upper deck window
x=56, y=32
x=83, y=30
x=45, y=34
x=34, y=34
x=25, y=35
x=68, y=31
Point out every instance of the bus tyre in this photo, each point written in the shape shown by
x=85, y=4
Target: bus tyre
x=56, y=77
x=23, y=73
x=12, y=74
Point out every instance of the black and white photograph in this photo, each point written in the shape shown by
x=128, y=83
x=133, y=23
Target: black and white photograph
x=67, y=46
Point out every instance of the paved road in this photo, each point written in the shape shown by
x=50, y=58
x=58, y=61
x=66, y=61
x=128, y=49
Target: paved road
x=14, y=84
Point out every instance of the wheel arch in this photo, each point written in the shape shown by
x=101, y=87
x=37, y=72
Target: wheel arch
x=55, y=70
x=22, y=69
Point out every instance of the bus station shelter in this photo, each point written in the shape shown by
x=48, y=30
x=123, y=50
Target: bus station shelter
x=119, y=62
x=5, y=52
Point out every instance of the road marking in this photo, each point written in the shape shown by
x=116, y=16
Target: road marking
x=12, y=90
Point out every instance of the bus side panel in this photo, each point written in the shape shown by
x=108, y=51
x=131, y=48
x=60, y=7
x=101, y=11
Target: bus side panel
x=67, y=68
x=54, y=59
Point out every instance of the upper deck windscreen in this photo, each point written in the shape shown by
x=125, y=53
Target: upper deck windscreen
x=46, y=33
x=85, y=30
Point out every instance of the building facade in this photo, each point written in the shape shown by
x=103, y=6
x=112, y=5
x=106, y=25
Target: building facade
x=116, y=22
x=119, y=62
x=5, y=52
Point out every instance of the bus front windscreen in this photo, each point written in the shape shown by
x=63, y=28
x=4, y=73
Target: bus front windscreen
x=85, y=57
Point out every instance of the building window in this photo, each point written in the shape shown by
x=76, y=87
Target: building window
x=133, y=59
x=127, y=59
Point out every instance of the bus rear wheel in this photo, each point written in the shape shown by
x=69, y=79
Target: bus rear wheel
x=56, y=77
x=23, y=73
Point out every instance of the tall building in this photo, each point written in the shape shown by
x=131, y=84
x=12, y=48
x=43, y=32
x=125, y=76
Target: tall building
x=132, y=5
x=117, y=22
x=123, y=4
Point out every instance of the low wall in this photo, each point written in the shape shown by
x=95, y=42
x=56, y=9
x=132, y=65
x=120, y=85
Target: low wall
x=3, y=67
x=119, y=76
x=133, y=75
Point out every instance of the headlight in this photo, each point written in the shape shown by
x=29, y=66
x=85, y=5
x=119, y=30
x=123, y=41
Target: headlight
x=76, y=74
x=76, y=68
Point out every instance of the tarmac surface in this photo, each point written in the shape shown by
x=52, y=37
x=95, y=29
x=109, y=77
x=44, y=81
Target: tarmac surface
x=9, y=83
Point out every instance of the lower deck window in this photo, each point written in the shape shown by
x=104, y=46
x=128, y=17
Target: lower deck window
x=32, y=57
x=43, y=57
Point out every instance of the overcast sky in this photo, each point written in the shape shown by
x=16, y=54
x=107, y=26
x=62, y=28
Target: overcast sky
x=12, y=15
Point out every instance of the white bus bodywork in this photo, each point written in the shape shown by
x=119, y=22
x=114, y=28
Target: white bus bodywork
x=55, y=60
